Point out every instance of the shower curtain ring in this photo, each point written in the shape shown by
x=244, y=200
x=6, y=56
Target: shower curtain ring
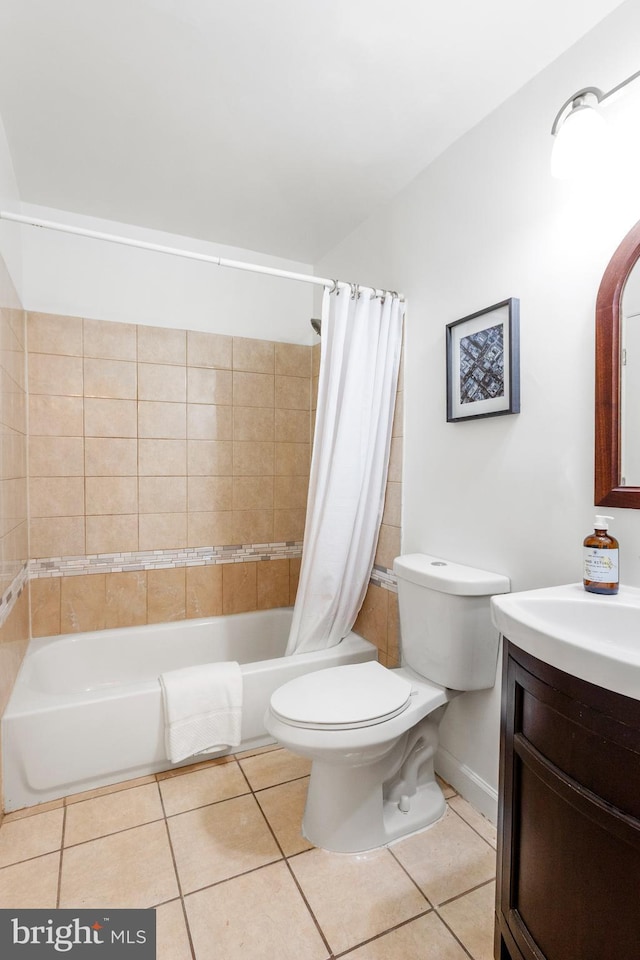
x=334, y=287
x=354, y=290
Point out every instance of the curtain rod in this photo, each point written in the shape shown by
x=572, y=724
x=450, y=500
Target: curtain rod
x=189, y=254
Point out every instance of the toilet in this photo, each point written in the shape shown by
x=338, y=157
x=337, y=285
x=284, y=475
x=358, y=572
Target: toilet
x=371, y=732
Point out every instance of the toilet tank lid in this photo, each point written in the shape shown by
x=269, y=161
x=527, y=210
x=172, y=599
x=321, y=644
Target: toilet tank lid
x=448, y=577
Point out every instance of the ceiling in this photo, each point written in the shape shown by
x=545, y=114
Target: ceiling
x=272, y=125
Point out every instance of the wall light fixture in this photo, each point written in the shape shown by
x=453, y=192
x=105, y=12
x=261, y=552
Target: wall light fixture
x=579, y=130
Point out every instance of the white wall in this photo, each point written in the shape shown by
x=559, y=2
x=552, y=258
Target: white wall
x=10, y=248
x=485, y=222
x=77, y=276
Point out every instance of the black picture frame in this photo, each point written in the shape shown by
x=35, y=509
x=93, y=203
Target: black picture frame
x=483, y=363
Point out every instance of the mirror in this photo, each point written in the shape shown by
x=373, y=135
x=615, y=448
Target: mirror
x=617, y=415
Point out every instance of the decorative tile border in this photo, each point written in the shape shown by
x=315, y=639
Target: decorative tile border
x=13, y=592
x=161, y=559
x=383, y=577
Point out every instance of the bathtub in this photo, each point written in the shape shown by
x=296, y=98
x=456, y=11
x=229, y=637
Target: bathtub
x=86, y=709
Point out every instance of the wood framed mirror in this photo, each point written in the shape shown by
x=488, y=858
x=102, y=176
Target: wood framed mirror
x=611, y=488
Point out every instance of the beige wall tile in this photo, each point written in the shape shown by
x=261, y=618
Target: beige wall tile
x=293, y=360
x=56, y=496
x=395, y=461
x=290, y=493
x=57, y=537
x=204, y=590
x=56, y=416
x=253, y=493
x=163, y=494
x=294, y=578
x=126, y=599
x=293, y=426
x=166, y=595
x=253, y=389
x=393, y=504
x=252, y=526
x=239, y=587
x=209, y=422
x=162, y=421
x=55, y=375
x=112, y=534
x=288, y=524
x=253, y=423
x=158, y=381
x=110, y=340
x=209, y=493
x=82, y=603
x=253, y=459
x=162, y=531
x=393, y=631
x=292, y=459
x=110, y=418
x=111, y=495
x=52, y=333
x=56, y=456
x=209, y=350
x=273, y=584
x=293, y=393
x=398, y=416
x=115, y=379
x=210, y=528
x=371, y=622
x=109, y=457
x=205, y=385
x=45, y=606
x=257, y=356
x=161, y=345
x=209, y=457
x=388, y=546
x=161, y=458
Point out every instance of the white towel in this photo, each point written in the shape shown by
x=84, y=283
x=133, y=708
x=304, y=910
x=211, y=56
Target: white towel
x=202, y=708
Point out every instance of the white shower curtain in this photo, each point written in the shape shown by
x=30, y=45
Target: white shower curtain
x=361, y=344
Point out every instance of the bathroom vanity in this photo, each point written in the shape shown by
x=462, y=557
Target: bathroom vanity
x=568, y=884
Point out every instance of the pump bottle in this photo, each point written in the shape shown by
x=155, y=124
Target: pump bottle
x=601, y=559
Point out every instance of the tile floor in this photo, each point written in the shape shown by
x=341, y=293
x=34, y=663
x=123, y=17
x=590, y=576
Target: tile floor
x=217, y=849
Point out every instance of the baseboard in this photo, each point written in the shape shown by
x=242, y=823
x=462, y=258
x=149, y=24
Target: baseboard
x=468, y=784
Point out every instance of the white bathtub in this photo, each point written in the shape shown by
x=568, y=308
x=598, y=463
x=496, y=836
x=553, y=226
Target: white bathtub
x=86, y=709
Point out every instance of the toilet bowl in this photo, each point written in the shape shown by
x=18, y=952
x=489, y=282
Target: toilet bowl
x=372, y=732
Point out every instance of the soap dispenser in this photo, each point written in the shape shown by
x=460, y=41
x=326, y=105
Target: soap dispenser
x=601, y=559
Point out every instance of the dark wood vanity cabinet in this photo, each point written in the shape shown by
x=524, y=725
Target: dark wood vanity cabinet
x=568, y=884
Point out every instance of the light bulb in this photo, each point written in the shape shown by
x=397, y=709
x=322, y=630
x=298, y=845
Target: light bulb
x=580, y=144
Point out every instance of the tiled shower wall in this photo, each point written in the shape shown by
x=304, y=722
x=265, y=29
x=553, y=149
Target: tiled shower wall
x=154, y=452
x=14, y=612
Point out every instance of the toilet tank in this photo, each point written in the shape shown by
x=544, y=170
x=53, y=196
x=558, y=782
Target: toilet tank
x=446, y=634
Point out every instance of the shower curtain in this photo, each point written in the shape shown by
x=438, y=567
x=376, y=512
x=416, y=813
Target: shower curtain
x=361, y=344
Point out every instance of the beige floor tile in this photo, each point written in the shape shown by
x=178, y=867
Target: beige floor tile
x=385, y=895
x=426, y=938
x=202, y=787
x=471, y=919
x=111, y=788
x=278, y=766
x=446, y=788
x=129, y=869
x=108, y=814
x=283, y=806
x=259, y=916
x=31, y=884
x=192, y=767
x=220, y=841
x=172, y=939
x=30, y=837
x=32, y=811
x=480, y=824
x=446, y=859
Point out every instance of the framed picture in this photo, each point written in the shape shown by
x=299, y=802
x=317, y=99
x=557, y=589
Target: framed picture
x=483, y=363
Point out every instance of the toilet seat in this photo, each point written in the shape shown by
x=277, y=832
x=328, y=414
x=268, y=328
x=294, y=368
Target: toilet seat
x=342, y=698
